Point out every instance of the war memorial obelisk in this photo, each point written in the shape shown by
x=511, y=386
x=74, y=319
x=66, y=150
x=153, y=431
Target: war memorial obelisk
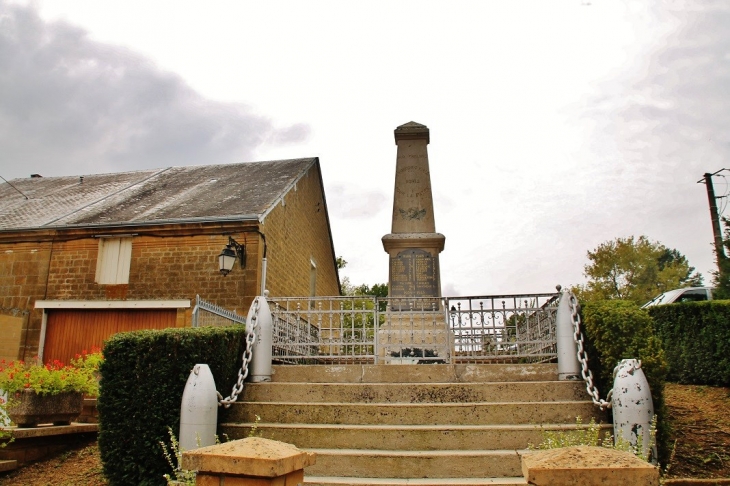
x=414, y=282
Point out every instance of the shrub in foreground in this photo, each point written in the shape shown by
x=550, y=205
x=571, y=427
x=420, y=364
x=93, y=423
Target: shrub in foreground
x=143, y=379
x=617, y=330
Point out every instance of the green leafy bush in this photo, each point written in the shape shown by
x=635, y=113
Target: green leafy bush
x=696, y=339
x=142, y=381
x=617, y=330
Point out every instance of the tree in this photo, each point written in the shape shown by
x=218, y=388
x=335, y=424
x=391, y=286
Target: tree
x=378, y=290
x=635, y=270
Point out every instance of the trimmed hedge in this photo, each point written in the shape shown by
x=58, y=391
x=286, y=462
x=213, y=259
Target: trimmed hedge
x=617, y=330
x=142, y=381
x=696, y=338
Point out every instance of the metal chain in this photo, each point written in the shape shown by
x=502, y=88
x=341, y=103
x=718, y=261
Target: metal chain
x=246, y=359
x=583, y=358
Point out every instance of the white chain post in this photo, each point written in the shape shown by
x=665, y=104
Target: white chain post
x=251, y=321
x=568, y=365
x=198, y=410
x=633, y=408
x=261, y=365
x=582, y=356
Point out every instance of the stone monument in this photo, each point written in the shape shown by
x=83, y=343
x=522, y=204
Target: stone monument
x=413, y=245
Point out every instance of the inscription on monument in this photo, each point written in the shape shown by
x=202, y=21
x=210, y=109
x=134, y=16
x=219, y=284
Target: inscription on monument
x=413, y=273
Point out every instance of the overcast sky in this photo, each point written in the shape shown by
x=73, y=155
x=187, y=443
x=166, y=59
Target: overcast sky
x=555, y=126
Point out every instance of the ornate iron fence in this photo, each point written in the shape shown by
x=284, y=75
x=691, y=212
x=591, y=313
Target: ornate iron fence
x=504, y=328
x=367, y=329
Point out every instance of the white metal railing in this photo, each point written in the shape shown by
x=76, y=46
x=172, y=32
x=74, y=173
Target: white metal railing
x=207, y=314
x=367, y=329
x=504, y=328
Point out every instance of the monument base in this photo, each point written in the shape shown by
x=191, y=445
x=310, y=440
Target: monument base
x=414, y=338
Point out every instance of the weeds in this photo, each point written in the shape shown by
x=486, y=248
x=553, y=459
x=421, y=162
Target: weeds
x=254, y=432
x=590, y=435
x=180, y=475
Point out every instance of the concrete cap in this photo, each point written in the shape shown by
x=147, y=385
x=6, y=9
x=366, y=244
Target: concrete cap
x=587, y=466
x=253, y=456
x=412, y=131
x=414, y=240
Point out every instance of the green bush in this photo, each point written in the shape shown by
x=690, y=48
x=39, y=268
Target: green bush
x=696, y=339
x=142, y=381
x=617, y=330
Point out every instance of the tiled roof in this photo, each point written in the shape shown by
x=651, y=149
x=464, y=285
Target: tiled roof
x=175, y=194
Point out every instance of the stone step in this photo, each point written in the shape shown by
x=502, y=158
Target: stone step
x=425, y=373
x=340, y=481
x=415, y=464
x=9, y=465
x=402, y=438
x=539, y=391
x=476, y=413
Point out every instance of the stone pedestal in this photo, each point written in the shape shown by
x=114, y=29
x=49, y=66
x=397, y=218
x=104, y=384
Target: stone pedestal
x=248, y=462
x=411, y=336
x=587, y=466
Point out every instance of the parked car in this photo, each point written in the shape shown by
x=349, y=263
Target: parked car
x=689, y=294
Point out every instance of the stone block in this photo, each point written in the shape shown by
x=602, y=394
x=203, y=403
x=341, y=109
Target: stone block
x=253, y=456
x=587, y=466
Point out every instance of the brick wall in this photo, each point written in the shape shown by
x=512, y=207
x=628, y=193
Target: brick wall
x=297, y=232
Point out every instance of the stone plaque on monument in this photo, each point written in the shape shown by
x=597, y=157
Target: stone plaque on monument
x=413, y=273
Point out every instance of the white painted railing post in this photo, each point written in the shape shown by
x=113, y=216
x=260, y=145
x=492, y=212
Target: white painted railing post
x=568, y=365
x=261, y=360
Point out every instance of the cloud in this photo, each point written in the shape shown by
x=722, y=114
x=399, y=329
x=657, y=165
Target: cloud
x=70, y=105
x=348, y=201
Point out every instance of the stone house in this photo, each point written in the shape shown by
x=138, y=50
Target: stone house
x=82, y=258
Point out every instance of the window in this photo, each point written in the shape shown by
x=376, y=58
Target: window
x=693, y=296
x=312, y=281
x=112, y=262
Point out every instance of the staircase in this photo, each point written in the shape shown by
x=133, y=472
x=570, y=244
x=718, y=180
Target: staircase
x=411, y=424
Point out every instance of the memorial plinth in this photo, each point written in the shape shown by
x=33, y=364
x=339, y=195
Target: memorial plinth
x=414, y=277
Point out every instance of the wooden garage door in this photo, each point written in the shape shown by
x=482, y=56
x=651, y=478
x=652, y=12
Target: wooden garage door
x=69, y=332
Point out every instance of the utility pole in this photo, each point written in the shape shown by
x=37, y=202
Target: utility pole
x=717, y=232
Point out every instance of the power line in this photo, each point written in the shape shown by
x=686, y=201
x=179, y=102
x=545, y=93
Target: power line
x=21, y=192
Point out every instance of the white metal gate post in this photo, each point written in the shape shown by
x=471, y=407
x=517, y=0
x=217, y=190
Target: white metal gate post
x=568, y=365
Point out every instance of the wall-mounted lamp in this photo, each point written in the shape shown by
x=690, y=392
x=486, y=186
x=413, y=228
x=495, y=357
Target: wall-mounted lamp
x=229, y=254
x=233, y=250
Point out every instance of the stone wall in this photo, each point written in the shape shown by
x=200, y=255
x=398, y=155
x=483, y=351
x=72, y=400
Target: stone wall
x=23, y=272
x=297, y=232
